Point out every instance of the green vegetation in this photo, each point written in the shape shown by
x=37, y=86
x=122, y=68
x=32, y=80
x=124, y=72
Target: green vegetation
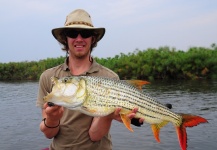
x=161, y=63
x=27, y=70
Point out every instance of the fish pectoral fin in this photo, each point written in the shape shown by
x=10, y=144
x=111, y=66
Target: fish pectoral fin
x=137, y=83
x=156, y=129
x=126, y=121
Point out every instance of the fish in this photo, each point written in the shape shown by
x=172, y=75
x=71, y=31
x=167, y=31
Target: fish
x=100, y=96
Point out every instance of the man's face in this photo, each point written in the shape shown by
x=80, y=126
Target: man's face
x=79, y=43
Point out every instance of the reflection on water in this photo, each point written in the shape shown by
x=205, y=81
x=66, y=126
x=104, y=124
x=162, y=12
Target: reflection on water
x=20, y=117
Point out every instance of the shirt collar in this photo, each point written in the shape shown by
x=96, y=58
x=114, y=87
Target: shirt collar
x=65, y=66
x=93, y=68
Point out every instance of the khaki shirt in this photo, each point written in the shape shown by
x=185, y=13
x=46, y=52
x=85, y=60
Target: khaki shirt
x=74, y=126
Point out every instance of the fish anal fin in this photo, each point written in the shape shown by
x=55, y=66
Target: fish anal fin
x=126, y=121
x=156, y=129
x=137, y=83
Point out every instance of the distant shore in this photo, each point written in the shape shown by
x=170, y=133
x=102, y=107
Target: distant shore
x=151, y=64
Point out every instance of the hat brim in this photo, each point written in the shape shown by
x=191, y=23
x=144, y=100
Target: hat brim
x=58, y=32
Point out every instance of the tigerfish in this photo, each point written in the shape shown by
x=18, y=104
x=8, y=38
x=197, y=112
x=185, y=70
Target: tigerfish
x=98, y=96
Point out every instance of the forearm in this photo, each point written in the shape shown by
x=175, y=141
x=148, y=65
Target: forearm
x=99, y=128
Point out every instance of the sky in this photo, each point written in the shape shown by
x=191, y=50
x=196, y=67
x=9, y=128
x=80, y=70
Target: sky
x=25, y=26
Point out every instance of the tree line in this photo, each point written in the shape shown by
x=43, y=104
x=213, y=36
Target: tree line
x=149, y=64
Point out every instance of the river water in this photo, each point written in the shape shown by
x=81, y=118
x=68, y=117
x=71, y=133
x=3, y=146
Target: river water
x=20, y=118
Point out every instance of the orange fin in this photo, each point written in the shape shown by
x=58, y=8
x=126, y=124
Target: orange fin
x=126, y=121
x=156, y=129
x=187, y=121
x=137, y=83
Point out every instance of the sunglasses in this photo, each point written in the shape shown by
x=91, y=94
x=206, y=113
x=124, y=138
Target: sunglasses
x=83, y=33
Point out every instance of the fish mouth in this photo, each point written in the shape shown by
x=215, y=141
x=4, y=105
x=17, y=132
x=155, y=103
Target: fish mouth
x=74, y=106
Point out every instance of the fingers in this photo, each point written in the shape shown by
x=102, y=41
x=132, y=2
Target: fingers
x=53, y=112
x=141, y=120
x=135, y=121
x=134, y=110
x=116, y=114
x=131, y=116
x=117, y=111
x=133, y=113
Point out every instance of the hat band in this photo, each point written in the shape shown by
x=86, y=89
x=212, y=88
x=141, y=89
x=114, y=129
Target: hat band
x=79, y=22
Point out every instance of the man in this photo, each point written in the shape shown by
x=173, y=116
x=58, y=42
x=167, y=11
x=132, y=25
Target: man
x=72, y=129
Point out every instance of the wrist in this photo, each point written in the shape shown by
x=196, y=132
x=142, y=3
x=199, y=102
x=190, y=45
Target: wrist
x=51, y=124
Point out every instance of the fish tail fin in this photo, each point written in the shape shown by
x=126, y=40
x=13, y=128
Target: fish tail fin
x=187, y=121
x=156, y=129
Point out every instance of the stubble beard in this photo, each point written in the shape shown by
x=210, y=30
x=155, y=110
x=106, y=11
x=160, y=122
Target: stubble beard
x=81, y=55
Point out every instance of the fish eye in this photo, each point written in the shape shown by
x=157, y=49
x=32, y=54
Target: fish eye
x=65, y=80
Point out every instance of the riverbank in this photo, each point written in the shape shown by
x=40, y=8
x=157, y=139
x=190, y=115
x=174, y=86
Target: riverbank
x=151, y=64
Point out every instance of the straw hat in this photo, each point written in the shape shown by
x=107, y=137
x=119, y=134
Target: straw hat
x=78, y=19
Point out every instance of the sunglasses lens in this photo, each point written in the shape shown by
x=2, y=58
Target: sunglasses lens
x=74, y=33
x=71, y=33
x=86, y=33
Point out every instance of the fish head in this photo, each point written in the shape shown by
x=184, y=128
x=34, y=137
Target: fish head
x=69, y=92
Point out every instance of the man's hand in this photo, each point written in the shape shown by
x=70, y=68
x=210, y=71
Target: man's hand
x=53, y=112
x=138, y=122
x=131, y=115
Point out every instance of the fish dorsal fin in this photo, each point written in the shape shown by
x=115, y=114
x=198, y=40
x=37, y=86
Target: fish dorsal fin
x=137, y=83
